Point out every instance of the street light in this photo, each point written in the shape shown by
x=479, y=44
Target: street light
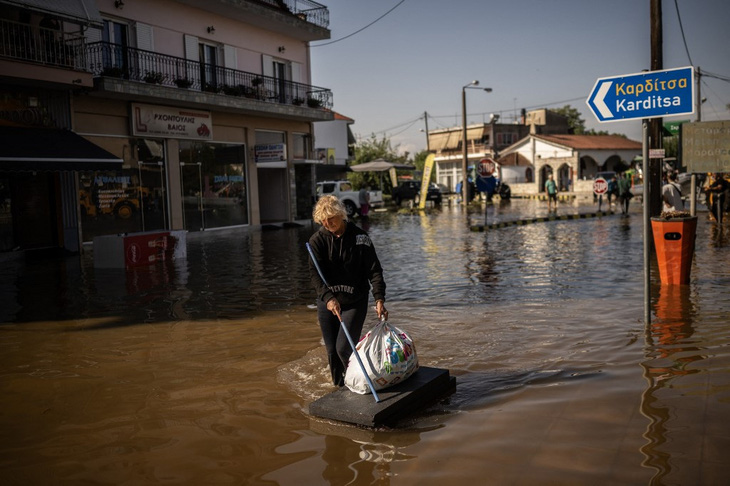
x=465, y=176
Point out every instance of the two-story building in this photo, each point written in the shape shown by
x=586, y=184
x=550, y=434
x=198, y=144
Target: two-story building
x=125, y=116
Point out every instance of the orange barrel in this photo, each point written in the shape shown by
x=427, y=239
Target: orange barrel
x=674, y=240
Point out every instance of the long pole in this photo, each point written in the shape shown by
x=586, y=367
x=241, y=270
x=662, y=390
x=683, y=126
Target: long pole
x=344, y=328
x=465, y=178
x=647, y=223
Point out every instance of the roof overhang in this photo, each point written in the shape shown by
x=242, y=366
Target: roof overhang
x=78, y=11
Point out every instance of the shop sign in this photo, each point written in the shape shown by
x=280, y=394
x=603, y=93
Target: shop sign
x=165, y=121
x=270, y=152
x=706, y=146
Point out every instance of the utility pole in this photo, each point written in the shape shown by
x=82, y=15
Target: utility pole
x=698, y=101
x=654, y=178
x=428, y=143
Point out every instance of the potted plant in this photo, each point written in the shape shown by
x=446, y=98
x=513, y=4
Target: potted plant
x=211, y=88
x=183, y=82
x=298, y=101
x=256, y=81
x=154, y=77
x=314, y=102
x=113, y=72
x=232, y=90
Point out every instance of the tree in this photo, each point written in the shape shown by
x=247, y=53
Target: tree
x=419, y=161
x=369, y=150
x=576, y=124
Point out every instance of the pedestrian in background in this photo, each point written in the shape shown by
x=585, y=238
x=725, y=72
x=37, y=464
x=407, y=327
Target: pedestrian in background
x=672, y=194
x=347, y=259
x=612, y=190
x=364, y=200
x=624, y=192
x=718, y=190
x=552, y=192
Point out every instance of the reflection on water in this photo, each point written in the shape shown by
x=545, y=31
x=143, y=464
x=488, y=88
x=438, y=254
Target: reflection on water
x=204, y=368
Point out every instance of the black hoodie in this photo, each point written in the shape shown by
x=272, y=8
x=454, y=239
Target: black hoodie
x=348, y=263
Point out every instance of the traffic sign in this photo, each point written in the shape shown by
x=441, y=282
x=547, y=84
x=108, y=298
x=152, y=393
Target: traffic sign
x=486, y=167
x=600, y=186
x=643, y=95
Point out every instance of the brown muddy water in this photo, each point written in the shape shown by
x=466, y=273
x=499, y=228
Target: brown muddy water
x=201, y=371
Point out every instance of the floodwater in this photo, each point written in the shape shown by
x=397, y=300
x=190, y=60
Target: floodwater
x=201, y=371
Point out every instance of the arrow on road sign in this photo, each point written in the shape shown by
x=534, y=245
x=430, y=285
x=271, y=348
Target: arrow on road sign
x=650, y=94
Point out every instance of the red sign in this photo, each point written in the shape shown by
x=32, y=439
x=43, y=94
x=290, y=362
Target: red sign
x=145, y=249
x=486, y=167
x=600, y=186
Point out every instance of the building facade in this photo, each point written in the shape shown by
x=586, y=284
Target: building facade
x=574, y=161
x=202, y=111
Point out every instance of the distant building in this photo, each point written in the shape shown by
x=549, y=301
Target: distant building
x=526, y=152
x=573, y=159
x=334, y=146
x=128, y=116
x=485, y=140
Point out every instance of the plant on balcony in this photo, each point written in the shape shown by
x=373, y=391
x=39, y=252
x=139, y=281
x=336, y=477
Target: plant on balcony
x=113, y=72
x=154, y=77
x=314, y=102
x=233, y=90
x=298, y=101
x=211, y=88
x=183, y=82
x=256, y=81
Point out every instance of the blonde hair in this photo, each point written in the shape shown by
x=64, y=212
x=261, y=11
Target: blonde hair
x=327, y=207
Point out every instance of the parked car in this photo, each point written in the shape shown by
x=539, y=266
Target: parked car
x=411, y=190
x=348, y=195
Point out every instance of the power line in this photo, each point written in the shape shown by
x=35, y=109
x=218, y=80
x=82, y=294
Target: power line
x=679, y=17
x=360, y=30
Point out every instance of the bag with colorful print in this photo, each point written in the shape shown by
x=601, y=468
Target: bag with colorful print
x=389, y=356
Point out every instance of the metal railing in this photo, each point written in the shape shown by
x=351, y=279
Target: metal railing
x=307, y=10
x=115, y=60
x=41, y=45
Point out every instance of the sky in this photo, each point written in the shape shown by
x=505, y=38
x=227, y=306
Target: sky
x=532, y=54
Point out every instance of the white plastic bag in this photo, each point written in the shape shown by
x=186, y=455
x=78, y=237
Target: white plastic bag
x=389, y=356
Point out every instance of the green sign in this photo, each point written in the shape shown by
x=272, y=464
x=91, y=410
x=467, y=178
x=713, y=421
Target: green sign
x=672, y=128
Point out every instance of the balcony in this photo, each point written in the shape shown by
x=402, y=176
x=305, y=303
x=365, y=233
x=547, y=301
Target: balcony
x=39, y=45
x=127, y=63
x=303, y=20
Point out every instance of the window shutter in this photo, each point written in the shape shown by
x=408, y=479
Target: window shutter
x=229, y=57
x=267, y=65
x=191, y=48
x=144, y=37
x=93, y=35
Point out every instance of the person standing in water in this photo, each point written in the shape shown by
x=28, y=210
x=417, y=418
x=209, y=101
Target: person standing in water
x=346, y=256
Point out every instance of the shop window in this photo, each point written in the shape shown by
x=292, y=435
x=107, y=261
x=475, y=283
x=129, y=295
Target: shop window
x=128, y=200
x=213, y=185
x=301, y=142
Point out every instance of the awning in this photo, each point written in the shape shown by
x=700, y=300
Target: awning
x=437, y=141
x=31, y=148
x=79, y=11
x=475, y=133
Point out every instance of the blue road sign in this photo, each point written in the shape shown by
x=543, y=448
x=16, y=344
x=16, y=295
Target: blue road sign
x=643, y=95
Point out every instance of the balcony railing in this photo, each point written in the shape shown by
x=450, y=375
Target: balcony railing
x=115, y=60
x=45, y=46
x=312, y=12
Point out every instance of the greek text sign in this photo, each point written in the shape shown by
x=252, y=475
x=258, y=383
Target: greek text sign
x=706, y=146
x=643, y=95
x=164, y=121
x=270, y=152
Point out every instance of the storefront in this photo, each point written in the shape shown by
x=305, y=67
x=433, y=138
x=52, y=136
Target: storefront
x=173, y=176
x=38, y=203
